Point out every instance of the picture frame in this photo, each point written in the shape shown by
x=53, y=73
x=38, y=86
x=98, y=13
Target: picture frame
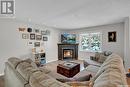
x=112, y=36
x=30, y=44
x=37, y=44
x=43, y=32
x=25, y=36
x=32, y=36
x=21, y=29
x=45, y=38
x=29, y=30
x=38, y=37
x=36, y=30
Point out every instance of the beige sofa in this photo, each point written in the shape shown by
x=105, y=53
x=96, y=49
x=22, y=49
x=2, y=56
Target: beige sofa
x=21, y=73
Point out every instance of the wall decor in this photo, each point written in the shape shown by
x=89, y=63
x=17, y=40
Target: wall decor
x=32, y=36
x=48, y=32
x=38, y=37
x=30, y=43
x=45, y=32
x=36, y=30
x=29, y=30
x=37, y=44
x=45, y=38
x=25, y=36
x=22, y=29
x=112, y=36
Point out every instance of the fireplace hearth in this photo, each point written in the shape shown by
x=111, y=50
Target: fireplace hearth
x=67, y=51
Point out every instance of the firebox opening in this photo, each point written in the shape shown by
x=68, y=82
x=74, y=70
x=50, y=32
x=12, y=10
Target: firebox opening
x=68, y=53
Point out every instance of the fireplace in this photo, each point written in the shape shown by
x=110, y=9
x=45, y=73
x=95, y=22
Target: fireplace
x=67, y=51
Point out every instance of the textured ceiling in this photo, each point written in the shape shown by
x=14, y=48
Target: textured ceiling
x=72, y=14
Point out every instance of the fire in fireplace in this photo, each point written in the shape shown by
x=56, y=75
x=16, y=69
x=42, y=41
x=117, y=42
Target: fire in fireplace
x=68, y=53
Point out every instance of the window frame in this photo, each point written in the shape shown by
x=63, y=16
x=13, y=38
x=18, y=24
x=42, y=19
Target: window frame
x=89, y=36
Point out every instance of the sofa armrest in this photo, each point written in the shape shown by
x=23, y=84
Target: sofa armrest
x=92, y=62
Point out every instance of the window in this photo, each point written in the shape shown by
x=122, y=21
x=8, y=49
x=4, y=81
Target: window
x=90, y=42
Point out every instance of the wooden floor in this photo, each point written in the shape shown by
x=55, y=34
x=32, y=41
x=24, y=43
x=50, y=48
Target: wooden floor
x=1, y=81
x=128, y=81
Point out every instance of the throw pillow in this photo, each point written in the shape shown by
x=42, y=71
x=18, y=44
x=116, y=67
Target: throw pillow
x=44, y=69
x=27, y=60
x=92, y=58
x=83, y=78
x=30, y=62
x=85, y=63
x=97, y=56
x=34, y=65
x=107, y=53
x=102, y=58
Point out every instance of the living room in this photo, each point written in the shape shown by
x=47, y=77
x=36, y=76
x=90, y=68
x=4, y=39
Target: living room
x=14, y=44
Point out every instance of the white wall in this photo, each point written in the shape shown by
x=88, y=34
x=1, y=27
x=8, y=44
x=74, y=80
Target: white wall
x=51, y=45
x=116, y=47
x=12, y=44
x=127, y=43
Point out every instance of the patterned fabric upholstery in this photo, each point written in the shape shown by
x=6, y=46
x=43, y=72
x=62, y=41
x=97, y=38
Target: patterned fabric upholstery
x=40, y=79
x=13, y=61
x=111, y=73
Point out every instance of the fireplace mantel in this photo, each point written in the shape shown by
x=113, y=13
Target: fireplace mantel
x=72, y=47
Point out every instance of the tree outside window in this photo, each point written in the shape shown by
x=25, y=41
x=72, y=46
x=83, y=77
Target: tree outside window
x=91, y=42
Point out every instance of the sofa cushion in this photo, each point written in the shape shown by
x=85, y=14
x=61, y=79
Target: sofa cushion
x=107, y=53
x=102, y=58
x=13, y=61
x=25, y=69
x=111, y=62
x=44, y=69
x=97, y=56
x=33, y=64
x=110, y=78
x=86, y=77
x=91, y=62
x=40, y=79
x=92, y=68
x=112, y=68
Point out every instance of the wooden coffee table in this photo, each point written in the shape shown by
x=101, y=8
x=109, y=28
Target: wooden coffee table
x=68, y=69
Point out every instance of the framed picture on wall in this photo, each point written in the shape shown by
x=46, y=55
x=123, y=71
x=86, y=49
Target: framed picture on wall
x=25, y=36
x=45, y=38
x=112, y=36
x=29, y=30
x=30, y=44
x=36, y=30
x=43, y=32
x=32, y=36
x=37, y=44
x=38, y=37
x=22, y=29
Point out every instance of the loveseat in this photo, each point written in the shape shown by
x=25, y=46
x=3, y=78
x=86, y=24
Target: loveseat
x=21, y=73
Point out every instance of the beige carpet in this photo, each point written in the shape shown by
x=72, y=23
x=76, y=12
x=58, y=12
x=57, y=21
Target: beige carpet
x=1, y=81
x=52, y=66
